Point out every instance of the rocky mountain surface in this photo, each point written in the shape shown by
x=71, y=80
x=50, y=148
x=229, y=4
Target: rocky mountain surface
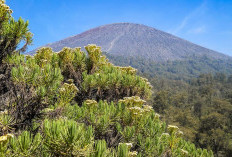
x=128, y=39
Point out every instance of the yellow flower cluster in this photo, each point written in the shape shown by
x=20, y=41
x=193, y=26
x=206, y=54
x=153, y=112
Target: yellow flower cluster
x=6, y=137
x=147, y=82
x=46, y=110
x=68, y=87
x=67, y=92
x=147, y=108
x=136, y=106
x=138, y=111
x=67, y=55
x=132, y=101
x=129, y=70
x=4, y=112
x=133, y=154
x=4, y=7
x=174, y=129
x=157, y=116
x=91, y=103
x=94, y=52
x=43, y=55
x=92, y=48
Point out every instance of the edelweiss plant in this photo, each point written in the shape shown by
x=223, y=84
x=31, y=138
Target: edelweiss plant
x=72, y=103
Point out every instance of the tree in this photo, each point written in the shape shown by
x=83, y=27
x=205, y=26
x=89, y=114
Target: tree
x=212, y=133
x=161, y=101
x=12, y=32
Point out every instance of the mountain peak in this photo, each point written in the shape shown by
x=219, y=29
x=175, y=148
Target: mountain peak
x=129, y=39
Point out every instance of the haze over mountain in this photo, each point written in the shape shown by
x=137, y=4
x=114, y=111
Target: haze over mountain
x=137, y=40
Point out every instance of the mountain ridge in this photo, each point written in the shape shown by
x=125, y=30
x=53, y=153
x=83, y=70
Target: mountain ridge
x=131, y=39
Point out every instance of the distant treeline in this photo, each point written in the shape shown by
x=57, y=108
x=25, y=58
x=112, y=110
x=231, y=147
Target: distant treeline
x=185, y=69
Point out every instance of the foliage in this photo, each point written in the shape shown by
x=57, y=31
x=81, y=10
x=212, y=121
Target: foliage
x=190, y=67
x=26, y=144
x=66, y=138
x=34, y=88
x=102, y=130
x=194, y=94
x=71, y=103
x=12, y=32
x=96, y=78
x=66, y=93
x=200, y=107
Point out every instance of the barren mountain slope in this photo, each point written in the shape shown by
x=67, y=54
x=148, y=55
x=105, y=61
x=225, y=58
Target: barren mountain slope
x=137, y=40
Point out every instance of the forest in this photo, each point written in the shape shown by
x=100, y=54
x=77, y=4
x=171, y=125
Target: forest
x=186, y=69
x=71, y=103
x=195, y=95
x=201, y=107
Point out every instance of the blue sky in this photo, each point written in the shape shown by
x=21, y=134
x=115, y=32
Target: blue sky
x=205, y=22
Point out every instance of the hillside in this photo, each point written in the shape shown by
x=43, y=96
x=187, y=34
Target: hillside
x=186, y=69
x=127, y=39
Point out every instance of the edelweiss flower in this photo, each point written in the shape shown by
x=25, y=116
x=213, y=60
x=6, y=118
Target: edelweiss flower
x=184, y=152
x=10, y=135
x=157, y=115
x=62, y=89
x=3, y=138
x=172, y=128
x=4, y=112
x=90, y=102
x=132, y=154
x=165, y=134
x=129, y=145
x=135, y=108
x=147, y=108
x=179, y=133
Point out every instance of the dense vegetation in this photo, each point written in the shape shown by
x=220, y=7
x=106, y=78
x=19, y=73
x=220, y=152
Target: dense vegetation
x=75, y=104
x=194, y=94
x=202, y=108
x=186, y=69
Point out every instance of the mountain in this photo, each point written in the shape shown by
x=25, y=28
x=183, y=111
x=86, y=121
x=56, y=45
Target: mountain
x=137, y=40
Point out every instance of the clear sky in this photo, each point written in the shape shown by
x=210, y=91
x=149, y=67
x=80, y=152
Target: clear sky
x=205, y=22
